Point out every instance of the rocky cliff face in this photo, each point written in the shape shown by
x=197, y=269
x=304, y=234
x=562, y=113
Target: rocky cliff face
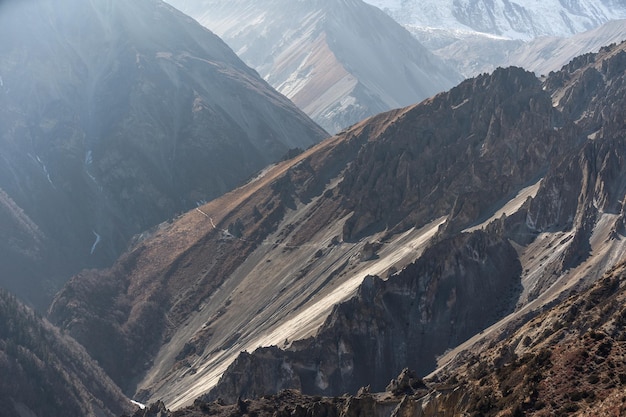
x=575, y=204
x=116, y=116
x=456, y=153
x=565, y=361
x=457, y=288
x=46, y=373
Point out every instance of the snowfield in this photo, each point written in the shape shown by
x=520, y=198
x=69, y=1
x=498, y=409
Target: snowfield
x=521, y=19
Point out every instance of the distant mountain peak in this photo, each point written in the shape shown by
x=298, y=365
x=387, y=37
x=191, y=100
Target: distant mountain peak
x=520, y=19
x=339, y=61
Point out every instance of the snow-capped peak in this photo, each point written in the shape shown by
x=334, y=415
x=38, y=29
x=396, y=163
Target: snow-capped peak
x=520, y=19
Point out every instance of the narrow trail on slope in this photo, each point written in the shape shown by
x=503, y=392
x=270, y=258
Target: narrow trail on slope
x=230, y=235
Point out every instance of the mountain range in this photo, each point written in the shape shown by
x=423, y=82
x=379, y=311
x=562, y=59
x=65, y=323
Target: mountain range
x=547, y=54
x=383, y=247
x=463, y=255
x=519, y=19
x=479, y=36
x=113, y=118
x=339, y=61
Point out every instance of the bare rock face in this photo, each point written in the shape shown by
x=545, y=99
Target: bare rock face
x=457, y=288
x=115, y=117
x=583, y=167
x=454, y=154
x=407, y=383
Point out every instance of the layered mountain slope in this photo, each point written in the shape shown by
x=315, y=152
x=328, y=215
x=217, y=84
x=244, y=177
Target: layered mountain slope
x=266, y=264
x=566, y=234
x=566, y=361
x=476, y=54
x=114, y=116
x=547, y=54
x=46, y=373
x=339, y=61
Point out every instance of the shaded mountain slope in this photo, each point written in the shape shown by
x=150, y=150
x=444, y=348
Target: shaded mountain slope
x=115, y=116
x=565, y=236
x=46, y=373
x=339, y=61
x=266, y=264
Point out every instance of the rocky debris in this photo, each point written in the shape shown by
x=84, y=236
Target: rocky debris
x=369, y=250
x=407, y=383
x=287, y=403
x=457, y=288
x=566, y=360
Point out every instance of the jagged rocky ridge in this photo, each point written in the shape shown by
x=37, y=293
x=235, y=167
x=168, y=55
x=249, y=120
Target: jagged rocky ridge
x=115, y=116
x=264, y=265
x=578, y=191
x=46, y=373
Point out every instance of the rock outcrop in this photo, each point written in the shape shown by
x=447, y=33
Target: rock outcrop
x=455, y=289
x=455, y=154
x=567, y=360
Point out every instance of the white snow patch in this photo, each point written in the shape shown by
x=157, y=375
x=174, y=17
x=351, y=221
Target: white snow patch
x=138, y=404
x=511, y=206
x=461, y=104
x=44, y=169
x=93, y=247
x=527, y=20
